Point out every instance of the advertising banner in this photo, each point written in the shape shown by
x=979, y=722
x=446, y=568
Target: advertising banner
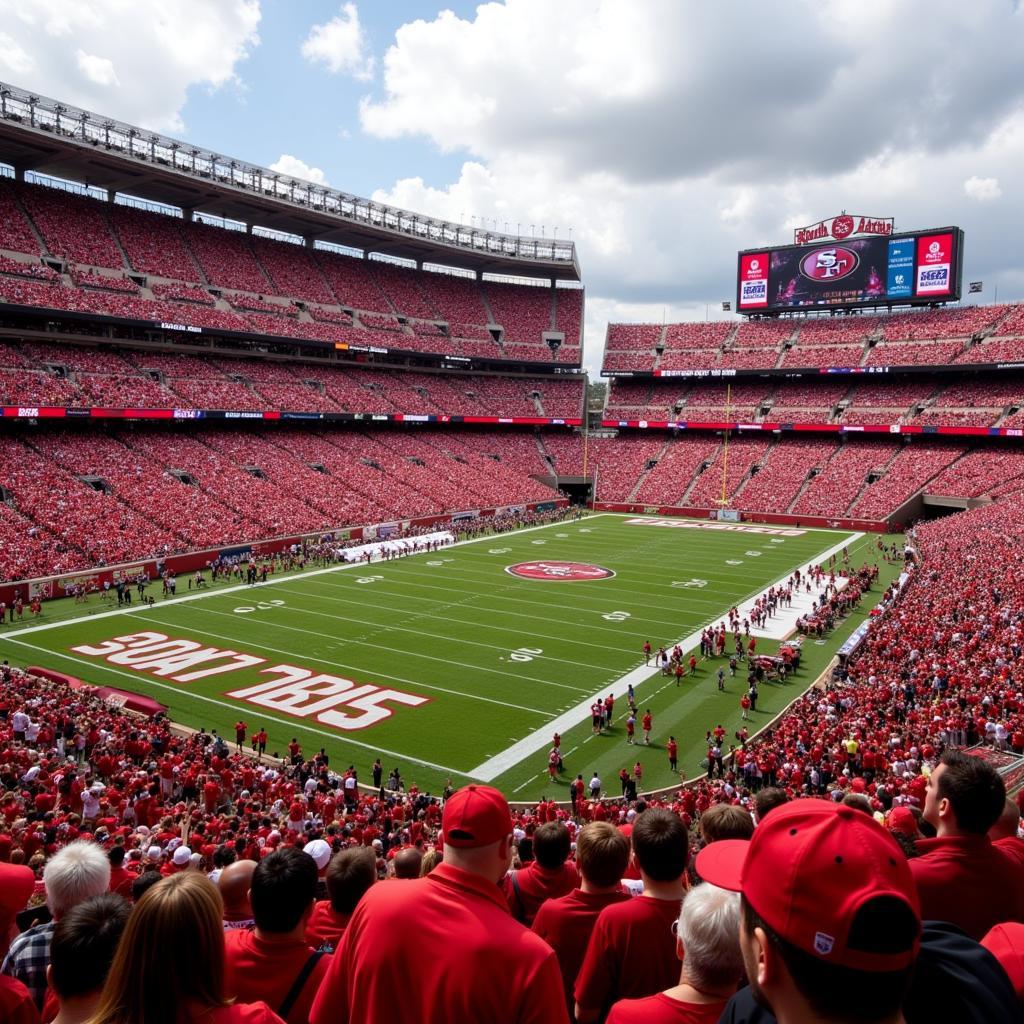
x=753, y=281
x=934, y=265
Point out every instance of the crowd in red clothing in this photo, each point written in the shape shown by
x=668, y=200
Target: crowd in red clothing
x=937, y=670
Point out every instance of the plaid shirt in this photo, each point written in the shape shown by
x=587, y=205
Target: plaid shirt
x=28, y=957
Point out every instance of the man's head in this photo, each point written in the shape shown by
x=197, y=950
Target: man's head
x=349, y=874
x=83, y=946
x=320, y=851
x=1008, y=822
x=407, y=863
x=283, y=890
x=477, y=831
x=965, y=795
x=76, y=873
x=234, y=883
x=766, y=800
x=660, y=845
x=830, y=912
x=602, y=854
x=551, y=844
x=708, y=940
x=725, y=821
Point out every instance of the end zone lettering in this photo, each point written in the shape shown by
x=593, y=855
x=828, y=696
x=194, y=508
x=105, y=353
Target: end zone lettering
x=298, y=692
x=689, y=524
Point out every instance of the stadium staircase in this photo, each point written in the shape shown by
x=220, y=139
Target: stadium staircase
x=699, y=471
x=648, y=466
x=877, y=474
x=754, y=469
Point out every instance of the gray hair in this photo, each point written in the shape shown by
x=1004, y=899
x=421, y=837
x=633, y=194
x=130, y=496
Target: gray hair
x=709, y=929
x=78, y=872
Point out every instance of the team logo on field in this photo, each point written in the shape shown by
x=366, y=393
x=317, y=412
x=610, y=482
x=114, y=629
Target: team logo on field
x=570, y=571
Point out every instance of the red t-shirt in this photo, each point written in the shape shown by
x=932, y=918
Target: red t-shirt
x=565, y=925
x=255, y=969
x=439, y=949
x=632, y=953
x=16, y=1005
x=239, y=1013
x=326, y=925
x=969, y=882
x=535, y=885
x=663, y=1009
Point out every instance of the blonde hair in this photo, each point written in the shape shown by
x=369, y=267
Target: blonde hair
x=171, y=956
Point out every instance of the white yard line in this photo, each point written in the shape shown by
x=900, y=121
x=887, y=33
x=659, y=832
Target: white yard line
x=539, y=739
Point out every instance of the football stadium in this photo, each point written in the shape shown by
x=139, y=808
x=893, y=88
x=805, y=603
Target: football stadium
x=396, y=618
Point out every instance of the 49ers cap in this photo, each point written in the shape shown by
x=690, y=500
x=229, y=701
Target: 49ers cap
x=809, y=870
x=475, y=816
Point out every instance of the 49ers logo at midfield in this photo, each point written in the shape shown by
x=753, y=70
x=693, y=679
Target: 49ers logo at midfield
x=567, y=571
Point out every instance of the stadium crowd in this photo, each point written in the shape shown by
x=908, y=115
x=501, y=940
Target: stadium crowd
x=160, y=875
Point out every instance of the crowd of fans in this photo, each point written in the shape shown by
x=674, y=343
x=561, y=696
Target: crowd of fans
x=183, y=258
x=925, y=338
x=77, y=500
x=850, y=864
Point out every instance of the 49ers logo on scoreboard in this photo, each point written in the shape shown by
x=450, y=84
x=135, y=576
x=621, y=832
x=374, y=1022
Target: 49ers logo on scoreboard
x=831, y=264
x=571, y=572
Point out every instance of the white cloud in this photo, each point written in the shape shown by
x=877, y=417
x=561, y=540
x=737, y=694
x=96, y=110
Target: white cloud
x=138, y=66
x=99, y=70
x=667, y=141
x=982, y=189
x=293, y=167
x=341, y=45
x=13, y=58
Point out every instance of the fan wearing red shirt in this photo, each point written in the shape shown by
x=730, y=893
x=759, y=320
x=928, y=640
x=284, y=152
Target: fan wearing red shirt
x=349, y=874
x=548, y=875
x=708, y=944
x=274, y=963
x=632, y=952
x=1004, y=833
x=565, y=923
x=16, y=1003
x=444, y=948
x=961, y=877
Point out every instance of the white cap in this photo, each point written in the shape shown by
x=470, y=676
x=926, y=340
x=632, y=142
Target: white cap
x=154, y=853
x=182, y=856
x=320, y=851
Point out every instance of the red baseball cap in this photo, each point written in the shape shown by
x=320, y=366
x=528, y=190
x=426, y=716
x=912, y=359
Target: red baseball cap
x=808, y=870
x=16, y=885
x=1006, y=943
x=475, y=816
x=901, y=819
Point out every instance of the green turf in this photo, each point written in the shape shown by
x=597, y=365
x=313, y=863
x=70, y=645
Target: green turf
x=497, y=658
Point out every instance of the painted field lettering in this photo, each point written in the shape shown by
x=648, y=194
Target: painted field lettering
x=327, y=698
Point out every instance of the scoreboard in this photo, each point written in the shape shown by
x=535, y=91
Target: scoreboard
x=921, y=266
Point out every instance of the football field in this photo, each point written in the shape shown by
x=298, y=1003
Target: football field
x=462, y=663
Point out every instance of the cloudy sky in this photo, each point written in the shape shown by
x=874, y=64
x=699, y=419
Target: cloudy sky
x=664, y=134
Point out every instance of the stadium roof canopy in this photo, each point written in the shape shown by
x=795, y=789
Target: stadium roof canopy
x=53, y=138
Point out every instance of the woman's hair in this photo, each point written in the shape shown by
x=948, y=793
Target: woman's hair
x=171, y=955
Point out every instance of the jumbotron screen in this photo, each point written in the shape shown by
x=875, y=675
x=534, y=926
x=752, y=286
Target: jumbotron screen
x=921, y=267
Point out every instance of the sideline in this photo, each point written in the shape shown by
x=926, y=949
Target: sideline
x=289, y=577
